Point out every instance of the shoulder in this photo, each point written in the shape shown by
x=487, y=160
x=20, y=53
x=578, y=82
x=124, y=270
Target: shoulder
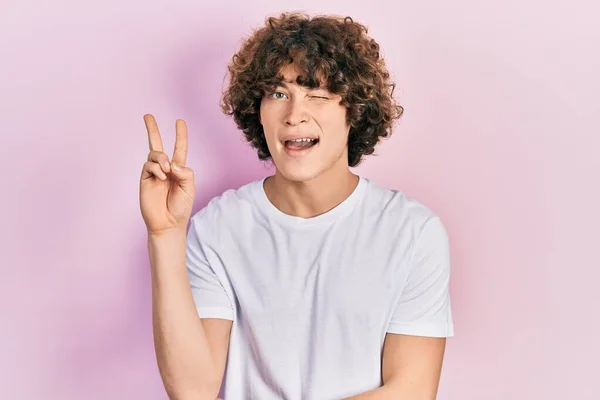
x=225, y=210
x=398, y=211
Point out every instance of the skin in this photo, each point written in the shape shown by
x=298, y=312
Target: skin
x=314, y=183
x=191, y=352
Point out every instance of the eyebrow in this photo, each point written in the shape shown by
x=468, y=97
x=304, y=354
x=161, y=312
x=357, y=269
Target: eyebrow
x=284, y=83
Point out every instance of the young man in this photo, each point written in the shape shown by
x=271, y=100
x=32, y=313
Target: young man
x=313, y=283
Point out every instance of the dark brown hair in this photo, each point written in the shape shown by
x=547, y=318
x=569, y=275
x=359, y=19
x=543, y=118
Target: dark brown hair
x=335, y=49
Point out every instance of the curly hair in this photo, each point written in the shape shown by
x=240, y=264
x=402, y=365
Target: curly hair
x=334, y=49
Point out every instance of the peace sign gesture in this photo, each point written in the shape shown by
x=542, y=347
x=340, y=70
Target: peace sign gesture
x=166, y=187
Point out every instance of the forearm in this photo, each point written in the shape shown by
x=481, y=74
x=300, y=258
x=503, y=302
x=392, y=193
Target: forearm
x=393, y=391
x=381, y=393
x=183, y=353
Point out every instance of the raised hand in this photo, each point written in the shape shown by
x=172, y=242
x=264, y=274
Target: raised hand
x=166, y=187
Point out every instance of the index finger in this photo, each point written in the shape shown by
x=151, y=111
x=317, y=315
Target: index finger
x=154, y=139
x=181, y=143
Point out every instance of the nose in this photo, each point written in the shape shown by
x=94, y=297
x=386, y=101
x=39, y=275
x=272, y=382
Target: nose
x=296, y=113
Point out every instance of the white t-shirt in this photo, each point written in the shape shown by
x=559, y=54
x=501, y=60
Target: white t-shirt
x=312, y=299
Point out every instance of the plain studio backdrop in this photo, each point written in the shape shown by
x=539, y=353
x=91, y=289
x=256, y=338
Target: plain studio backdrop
x=500, y=137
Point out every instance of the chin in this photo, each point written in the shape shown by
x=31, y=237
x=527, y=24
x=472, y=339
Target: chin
x=297, y=173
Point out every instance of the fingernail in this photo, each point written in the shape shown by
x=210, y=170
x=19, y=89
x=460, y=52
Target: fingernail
x=175, y=167
x=167, y=166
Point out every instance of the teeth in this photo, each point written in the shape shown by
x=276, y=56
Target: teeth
x=301, y=140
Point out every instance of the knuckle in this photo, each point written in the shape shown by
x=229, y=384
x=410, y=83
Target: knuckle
x=156, y=155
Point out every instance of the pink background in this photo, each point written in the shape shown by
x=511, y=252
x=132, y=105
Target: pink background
x=500, y=137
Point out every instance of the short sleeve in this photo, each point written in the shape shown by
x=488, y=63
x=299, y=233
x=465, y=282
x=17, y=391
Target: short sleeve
x=424, y=307
x=209, y=294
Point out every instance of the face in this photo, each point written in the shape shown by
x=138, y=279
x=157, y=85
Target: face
x=305, y=129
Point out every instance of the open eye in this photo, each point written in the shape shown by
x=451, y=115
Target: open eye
x=277, y=95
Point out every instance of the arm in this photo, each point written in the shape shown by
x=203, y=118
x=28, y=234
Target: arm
x=416, y=340
x=411, y=368
x=190, y=351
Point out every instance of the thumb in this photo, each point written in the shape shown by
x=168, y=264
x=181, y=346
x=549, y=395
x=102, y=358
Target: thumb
x=184, y=175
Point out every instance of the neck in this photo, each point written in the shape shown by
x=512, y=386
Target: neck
x=311, y=198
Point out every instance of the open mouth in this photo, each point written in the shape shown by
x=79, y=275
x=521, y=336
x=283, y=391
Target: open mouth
x=300, y=144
